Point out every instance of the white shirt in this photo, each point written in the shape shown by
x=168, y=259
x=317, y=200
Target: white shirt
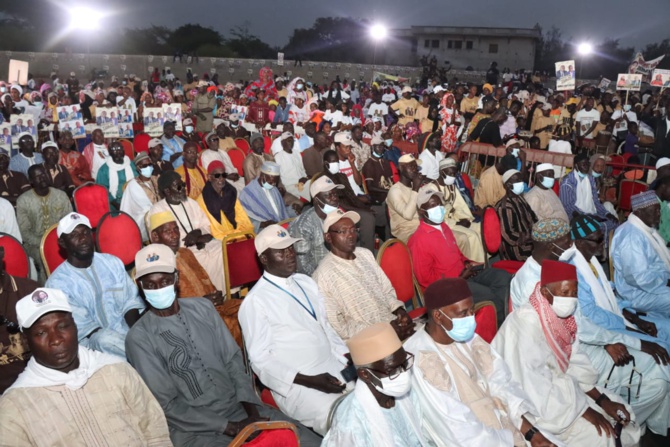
x=8, y=223
x=100, y=155
x=291, y=167
x=334, y=117
x=378, y=110
x=271, y=199
x=431, y=164
x=346, y=169
x=136, y=203
x=586, y=119
x=623, y=125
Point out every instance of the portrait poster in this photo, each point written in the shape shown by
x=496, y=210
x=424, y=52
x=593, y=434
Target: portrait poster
x=604, y=83
x=153, y=121
x=126, y=130
x=240, y=111
x=645, y=68
x=107, y=119
x=69, y=113
x=23, y=123
x=172, y=112
x=565, y=75
x=76, y=127
x=6, y=137
x=660, y=78
x=627, y=81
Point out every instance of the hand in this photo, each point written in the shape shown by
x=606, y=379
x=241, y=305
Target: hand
x=615, y=410
x=233, y=177
x=658, y=352
x=216, y=298
x=322, y=382
x=175, y=156
x=303, y=180
x=204, y=238
x=297, y=207
x=403, y=332
x=464, y=223
x=402, y=317
x=598, y=420
x=468, y=272
x=646, y=326
x=538, y=440
x=619, y=354
x=192, y=237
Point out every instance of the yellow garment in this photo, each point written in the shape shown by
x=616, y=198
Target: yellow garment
x=468, y=239
x=539, y=123
x=469, y=105
x=490, y=188
x=224, y=228
x=197, y=180
x=406, y=108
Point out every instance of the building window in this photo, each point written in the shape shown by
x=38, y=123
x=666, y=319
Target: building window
x=468, y=45
x=458, y=44
x=450, y=44
x=493, y=48
x=435, y=44
x=426, y=43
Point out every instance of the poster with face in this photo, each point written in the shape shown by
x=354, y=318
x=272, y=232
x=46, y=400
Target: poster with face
x=660, y=78
x=23, y=123
x=69, y=113
x=153, y=121
x=565, y=75
x=6, y=137
x=126, y=130
x=626, y=81
x=107, y=119
x=172, y=112
x=75, y=127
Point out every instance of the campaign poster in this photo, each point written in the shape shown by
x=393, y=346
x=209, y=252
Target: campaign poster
x=23, y=123
x=125, y=116
x=645, y=68
x=627, y=81
x=6, y=137
x=69, y=113
x=660, y=78
x=604, y=83
x=126, y=130
x=565, y=75
x=107, y=119
x=240, y=111
x=76, y=127
x=153, y=121
x=172, y=112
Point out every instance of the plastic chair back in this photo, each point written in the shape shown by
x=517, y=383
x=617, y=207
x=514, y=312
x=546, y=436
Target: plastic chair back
x=128, y=148
x=395, y=260
x=141, y=142
x=243, y=144
x=286, y=222
x=273, y=434
x=16, y=258
x=627, y=189
x=92, y=201
x=485, y=316
x=268, y=145
x=237, y=157
x=118, y=235
x=51, y=253
x=241, y=265
x=468, y=183
x=491, y=235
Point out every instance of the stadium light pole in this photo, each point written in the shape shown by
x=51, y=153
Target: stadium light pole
x=584, y=49
x=378, y=32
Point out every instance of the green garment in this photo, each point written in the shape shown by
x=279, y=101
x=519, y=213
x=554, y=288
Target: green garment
x=103, y=179
x=664, y=227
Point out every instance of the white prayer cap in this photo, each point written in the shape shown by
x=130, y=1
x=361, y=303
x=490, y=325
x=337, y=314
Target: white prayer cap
x=216, y=122
x=40, y=302
x=663, y=161
x=286, y=135
x=47, y=144
x=274, y=236
x=71, y=221
x=544, y=167
x=438, y=89
x=508, y=175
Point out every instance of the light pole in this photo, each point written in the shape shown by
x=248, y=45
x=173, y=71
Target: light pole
x=584, y=49
x=378, y=32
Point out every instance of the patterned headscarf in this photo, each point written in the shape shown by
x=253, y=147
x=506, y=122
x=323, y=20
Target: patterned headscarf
x=412, y=130
x=548, y=230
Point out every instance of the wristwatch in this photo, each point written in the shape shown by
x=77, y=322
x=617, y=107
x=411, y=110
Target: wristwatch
x=530, y=433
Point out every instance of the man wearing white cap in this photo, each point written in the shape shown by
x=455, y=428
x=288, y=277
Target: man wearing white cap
x=292, y=347
x=662, y=168
x=543, y=126
x=156, y=154
x=203, y=105
x=516, y=219
x=405, y=108
x=381, y=411
x=358, y=293
x=542, y=199
x=263, y=201
x=141, y=192
x=401, y=199
x=293, y=175
x=103, y=297
x=71, y=395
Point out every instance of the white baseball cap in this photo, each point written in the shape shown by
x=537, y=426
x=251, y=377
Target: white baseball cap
x=154, y=142
x=408, y=158
x=274, y=236
x=343, y=138
x=323, y=184
x=71, y=221
x=42, y=301
x=155, y=258
x=438, y=89
x=425, y=193
x=408, y=89
x=334, y=217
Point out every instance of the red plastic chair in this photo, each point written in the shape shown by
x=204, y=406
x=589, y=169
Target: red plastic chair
x=141, y=142
x=485, y=316
x=286, y=222
x=268, y=145
x=52, y=254
x=616, y=170
x=273, y=434
x=118, y=235
x=16, y=258
x=627, y=189
x=237, y=157
x=92, y=201
x=395, y=260
x=241, y=265
x=468, y=183
x=557, y=187
x=492, y=238
x=243, y=144
x=128, y=148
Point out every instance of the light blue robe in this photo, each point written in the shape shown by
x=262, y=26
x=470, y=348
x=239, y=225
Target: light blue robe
x=100, y=296
x=257, y=205
x=172, y=146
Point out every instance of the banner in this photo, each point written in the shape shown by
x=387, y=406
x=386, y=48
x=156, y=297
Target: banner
x=640, y=66
x=6, y=138
x=604, y=83
x=126, y=130
x=18, y=72
x=280, y=59
x=153, y=121
x=660, y=78
x=565, y=75
x=70, y=113
x=172, y=112
x=23, y=123
x=379, y=76
x=626, y=81
x=108, y=120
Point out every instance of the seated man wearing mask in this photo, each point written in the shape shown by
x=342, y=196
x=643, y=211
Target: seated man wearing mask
x=190, y=362
x=262, y=200
x=104, y=299
x=220, y=204
x=291, y=345
x=436, y=255
x=465, y=390
x=551, y=238
x=141, y=193
x=538, y=341
x=642, y=262
x=613, y=338
x=516, y=219
x=491, y=188
x=357, y=291
x=542, y=199
x=381, y=411
x=71, y=395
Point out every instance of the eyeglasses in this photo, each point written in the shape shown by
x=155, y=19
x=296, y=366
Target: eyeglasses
x=219, y=175
x=12, y=328
x=214, y=139
x=630, y=385
x=352, y=230
x=405, y=366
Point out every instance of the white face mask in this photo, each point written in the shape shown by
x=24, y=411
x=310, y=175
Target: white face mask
x=568, y=254
x=397, y=387
x=333, y=168
x=449, y=180
x=188, y=129
x=564, y=306
x=517, y=188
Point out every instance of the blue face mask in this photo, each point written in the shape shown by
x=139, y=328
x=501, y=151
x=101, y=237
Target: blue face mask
x=327, y=209
x=267, y=186
x=596, y=174
x=436, y=214
x=518, y=188
x=388, y=142
x=376, y=155
x=147, y=171
x=548, y=182
x=581, y=174
x=161, y=298
x=188, y=129
x=463, y=328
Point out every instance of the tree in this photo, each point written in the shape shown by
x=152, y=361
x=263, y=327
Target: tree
x=190, y=38
x=654, y=50
x=246, y=45
x=335, y=39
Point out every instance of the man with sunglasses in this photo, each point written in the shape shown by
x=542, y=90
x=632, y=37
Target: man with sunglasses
x=478, y=404
x=14, y=352
x=381, y=411
x=214, y=152
x=357, y=292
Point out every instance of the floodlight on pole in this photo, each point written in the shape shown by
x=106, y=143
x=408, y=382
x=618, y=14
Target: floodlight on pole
x=82, y=18
x=378, y=31
x=585, y=48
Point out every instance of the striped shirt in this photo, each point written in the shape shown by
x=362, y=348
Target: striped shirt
x=516, y=220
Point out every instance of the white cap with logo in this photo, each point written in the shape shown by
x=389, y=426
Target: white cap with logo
x=323, y=184
x=334, y=217
x=68, y=223
x=42, y=301
x=274, y=236
x=155, y=258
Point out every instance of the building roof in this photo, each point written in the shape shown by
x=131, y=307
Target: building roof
x=468, y=31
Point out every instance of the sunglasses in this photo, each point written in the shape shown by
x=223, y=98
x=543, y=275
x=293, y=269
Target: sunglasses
x=220, y=175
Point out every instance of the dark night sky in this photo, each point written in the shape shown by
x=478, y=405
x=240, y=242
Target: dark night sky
x=634, y=23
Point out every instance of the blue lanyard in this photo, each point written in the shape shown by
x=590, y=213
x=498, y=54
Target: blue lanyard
x=311, y=308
